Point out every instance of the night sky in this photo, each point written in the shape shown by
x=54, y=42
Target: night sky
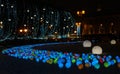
x=107, y=7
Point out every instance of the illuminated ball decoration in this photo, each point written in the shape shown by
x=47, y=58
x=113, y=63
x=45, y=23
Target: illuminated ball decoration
x=87, y=43
x=113, y=42
x=64, y=60
x=96, y=50
x=97, y=66
x=80, y=66
x=118, y=65
x=87, y=65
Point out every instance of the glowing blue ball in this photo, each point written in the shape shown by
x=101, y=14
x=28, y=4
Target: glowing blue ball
x=94, y=62
x=78, y=62
x=68, y=65
x=60, y=65
x=118, y=59
x=113, y=62
x=37, y=59
x=86, y=61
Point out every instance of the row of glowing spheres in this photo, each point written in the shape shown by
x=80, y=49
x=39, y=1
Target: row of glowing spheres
x=63, y=60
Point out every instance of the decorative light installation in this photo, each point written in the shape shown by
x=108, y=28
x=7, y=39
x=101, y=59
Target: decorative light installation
x=80, y=66
x=96, y=50
x=63, y=60
x=113, y=42
x=87, y=43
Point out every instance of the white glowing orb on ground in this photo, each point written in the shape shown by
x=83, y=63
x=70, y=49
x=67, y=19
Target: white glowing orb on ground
x=96, y=50
x=113, y=42
x=87, y=43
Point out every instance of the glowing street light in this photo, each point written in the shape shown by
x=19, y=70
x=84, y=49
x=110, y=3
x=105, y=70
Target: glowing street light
x=25, y=30
x=83, y=11
x=80, y=13
x=78, y=24
x=20, y=30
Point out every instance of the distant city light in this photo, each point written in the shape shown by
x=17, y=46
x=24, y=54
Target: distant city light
x=75, y=31
x=78, y=23
x=101, y=24
x=34, y=15
x=28, y=11
x=47, y=22
x=9, y=19
x=2, y=5
x=99, y=9
x=52, y=12
x=69, y=17
x=55, y=32
x=111, y=23
x=64, y=19
x=1, y=22
x=25, y=25
x=12, y=6
x=80, y=13
x=20, y=30
x=44, y=9
x=41, y=18
x=31, y=17
x=83, y=11
x=1, y=26
x=32, y=27
x=67, y=26
x=51, y=25
x=25, y=30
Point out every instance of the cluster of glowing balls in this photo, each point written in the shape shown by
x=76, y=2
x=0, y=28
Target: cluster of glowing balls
x=62, y=59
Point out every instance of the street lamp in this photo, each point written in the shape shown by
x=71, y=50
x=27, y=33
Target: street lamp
x=20, y=30
x=78, y=24
x=80, y=13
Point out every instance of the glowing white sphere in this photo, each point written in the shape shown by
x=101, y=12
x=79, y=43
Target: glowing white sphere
x=87, y=43
x=113, y=42
x=96, y=50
